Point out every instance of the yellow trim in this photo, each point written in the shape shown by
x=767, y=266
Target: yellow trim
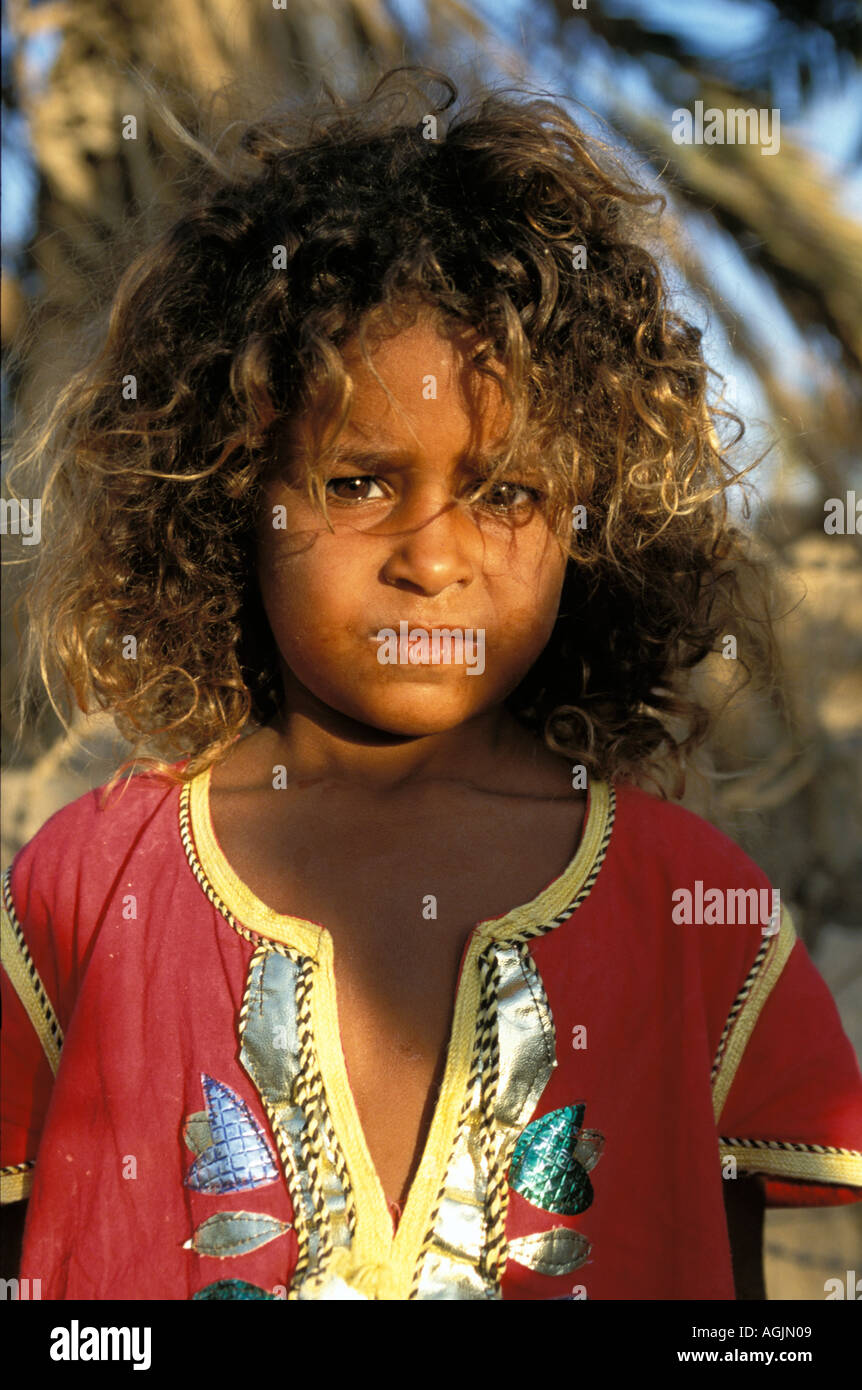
x=26, y=985
x=237, y=898
x=844, y=1169
x=14, y=1187
x=750, y=1012
x=374, y=1245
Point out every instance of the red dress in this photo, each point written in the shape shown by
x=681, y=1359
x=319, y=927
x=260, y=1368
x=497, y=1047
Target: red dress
x=176, y=1097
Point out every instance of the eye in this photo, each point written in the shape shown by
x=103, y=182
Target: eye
x=353, y=489
x=510, y=497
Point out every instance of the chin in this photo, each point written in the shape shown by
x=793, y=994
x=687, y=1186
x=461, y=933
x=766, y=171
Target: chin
x=417, y=718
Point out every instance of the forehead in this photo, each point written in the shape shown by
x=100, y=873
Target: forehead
x=418, y=384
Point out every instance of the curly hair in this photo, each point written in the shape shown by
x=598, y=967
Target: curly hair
x=500, y=215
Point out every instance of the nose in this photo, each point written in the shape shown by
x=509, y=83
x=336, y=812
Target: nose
x=433, y=548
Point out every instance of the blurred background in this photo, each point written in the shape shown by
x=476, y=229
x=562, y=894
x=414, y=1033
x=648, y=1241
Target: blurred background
x=764, y=253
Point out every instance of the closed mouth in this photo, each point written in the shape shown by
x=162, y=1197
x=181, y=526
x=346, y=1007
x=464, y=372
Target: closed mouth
x=420, y=627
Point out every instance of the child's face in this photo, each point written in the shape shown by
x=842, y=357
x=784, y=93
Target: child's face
x=408, y=545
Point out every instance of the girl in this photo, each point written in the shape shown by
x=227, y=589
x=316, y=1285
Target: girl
x=392, y=504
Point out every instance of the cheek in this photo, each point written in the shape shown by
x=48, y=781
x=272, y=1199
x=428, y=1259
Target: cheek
x=309, y=590
x=532, y=589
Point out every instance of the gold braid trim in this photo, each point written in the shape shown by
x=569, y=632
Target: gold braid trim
x=473, y=1016
x=284, y=1150
x=494, y=1252
x=772, y=1157
x=339, y=1163
x=485, y=1065
x=197, y=869
x=26, y=980
x=308, y=1095
x=759, y=983
x=780, y=1158
x=16, y=1181
x=306, y=1090
x=469, y=1089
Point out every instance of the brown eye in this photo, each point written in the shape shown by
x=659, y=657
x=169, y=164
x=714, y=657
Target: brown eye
x=510, y=497
x=353, y=489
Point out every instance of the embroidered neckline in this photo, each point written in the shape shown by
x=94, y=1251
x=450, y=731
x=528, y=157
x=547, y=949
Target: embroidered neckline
x=395, y=1254
x=235, y=900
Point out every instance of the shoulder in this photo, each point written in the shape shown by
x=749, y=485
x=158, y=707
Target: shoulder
x=675, y=841
x=696, y=914
x=56, y=894
x=701, y=901
x=87, y=842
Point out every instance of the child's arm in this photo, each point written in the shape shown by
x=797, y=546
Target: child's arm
x=12, y=1218
x=788, y=1101
x=33, y=972
x=744, y=1207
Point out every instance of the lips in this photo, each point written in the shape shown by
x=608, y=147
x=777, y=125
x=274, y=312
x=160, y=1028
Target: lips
x=443, y=646
x=430, y=628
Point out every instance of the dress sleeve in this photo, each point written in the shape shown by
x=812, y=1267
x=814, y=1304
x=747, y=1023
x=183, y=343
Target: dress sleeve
x=30, y=1036
x=787, y=1089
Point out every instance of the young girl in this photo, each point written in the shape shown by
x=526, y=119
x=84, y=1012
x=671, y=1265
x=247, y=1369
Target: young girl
x=395, y=460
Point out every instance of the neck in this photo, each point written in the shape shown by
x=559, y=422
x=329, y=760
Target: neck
x=316, y=742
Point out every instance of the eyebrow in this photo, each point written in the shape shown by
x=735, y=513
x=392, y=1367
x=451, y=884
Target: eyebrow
x=362, y=456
